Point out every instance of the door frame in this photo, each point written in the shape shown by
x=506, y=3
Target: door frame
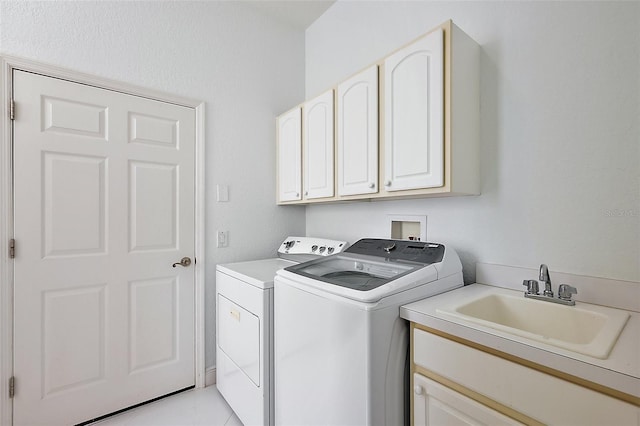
x=7, y=65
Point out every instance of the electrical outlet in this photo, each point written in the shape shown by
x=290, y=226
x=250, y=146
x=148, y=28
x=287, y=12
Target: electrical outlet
x=222, y=239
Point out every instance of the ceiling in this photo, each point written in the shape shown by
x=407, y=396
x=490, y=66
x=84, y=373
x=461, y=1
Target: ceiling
x=298, y=13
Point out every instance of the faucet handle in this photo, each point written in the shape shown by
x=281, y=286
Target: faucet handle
x=565, y=291
x=532, y=286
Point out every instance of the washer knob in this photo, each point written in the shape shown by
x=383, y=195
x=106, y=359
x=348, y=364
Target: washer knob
x=330, y=250
x=322, y=249
x=314, y=247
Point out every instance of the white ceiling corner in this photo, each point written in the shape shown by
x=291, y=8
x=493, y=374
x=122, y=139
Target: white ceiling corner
x=298, y=13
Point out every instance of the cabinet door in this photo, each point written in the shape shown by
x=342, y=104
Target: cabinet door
x=435, y=404
x=358, y=133
x=414, y=115
x=289, y=156
x=318, y=147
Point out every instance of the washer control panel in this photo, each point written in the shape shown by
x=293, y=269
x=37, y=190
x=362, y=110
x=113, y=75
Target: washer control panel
x=415, y=251
x=310, y=247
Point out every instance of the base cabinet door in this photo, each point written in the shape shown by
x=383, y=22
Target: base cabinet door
x=436, y=405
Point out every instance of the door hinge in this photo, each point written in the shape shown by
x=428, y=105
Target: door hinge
x=12, y=387
x=12, y=110
x=12, y=248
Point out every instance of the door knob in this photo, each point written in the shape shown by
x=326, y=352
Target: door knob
x=185, y=261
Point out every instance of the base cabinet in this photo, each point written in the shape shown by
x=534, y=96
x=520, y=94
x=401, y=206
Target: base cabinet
x=493, y=383
x=436, y=405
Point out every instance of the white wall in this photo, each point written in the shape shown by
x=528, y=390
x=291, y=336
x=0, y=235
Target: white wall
x=560, y=89
x=245, y=67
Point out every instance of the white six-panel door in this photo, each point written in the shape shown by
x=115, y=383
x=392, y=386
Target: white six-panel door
x=104, y=205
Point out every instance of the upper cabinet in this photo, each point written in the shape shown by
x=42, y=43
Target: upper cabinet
x=289, y=140
x=357, y=107
x=406, y=127
x=318, y=143
x=413, y=115
x=431, y=136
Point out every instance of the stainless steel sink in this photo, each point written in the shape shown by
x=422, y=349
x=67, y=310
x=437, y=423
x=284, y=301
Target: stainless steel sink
x=587, y=329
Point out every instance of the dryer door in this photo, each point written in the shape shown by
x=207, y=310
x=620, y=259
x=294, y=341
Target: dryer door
x=239, y=337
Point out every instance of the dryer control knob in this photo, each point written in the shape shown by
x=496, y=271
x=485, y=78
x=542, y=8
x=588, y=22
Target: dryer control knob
x=417, y=390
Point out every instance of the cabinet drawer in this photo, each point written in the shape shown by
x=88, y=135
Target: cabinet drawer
x=540, y=396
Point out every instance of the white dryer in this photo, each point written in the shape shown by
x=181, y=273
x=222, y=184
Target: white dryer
x=244, y=326
x=340, y=344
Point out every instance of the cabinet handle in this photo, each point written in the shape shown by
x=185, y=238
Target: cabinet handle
x=417, y=390
x=387, y=183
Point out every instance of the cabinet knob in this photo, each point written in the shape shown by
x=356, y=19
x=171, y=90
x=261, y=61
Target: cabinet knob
x=417, y=390
x=372, y=185
x=297, y=194
x=306, y=193
x=387, y=183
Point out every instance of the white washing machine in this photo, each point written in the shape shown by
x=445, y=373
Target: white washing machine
x=340, y=344
x=244, y=326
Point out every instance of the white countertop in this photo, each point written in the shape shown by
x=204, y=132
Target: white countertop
x=620, y=371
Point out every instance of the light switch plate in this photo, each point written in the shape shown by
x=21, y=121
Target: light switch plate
x=222, y=193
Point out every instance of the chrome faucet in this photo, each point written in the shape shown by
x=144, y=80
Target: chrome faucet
x=546, y=279
x=564, y=290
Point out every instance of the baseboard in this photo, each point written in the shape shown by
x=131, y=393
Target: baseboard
x=210, y=376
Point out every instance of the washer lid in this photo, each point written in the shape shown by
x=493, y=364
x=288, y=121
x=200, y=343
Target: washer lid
x=357, y=272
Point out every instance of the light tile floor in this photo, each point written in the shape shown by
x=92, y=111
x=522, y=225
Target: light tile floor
x=195, y=407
